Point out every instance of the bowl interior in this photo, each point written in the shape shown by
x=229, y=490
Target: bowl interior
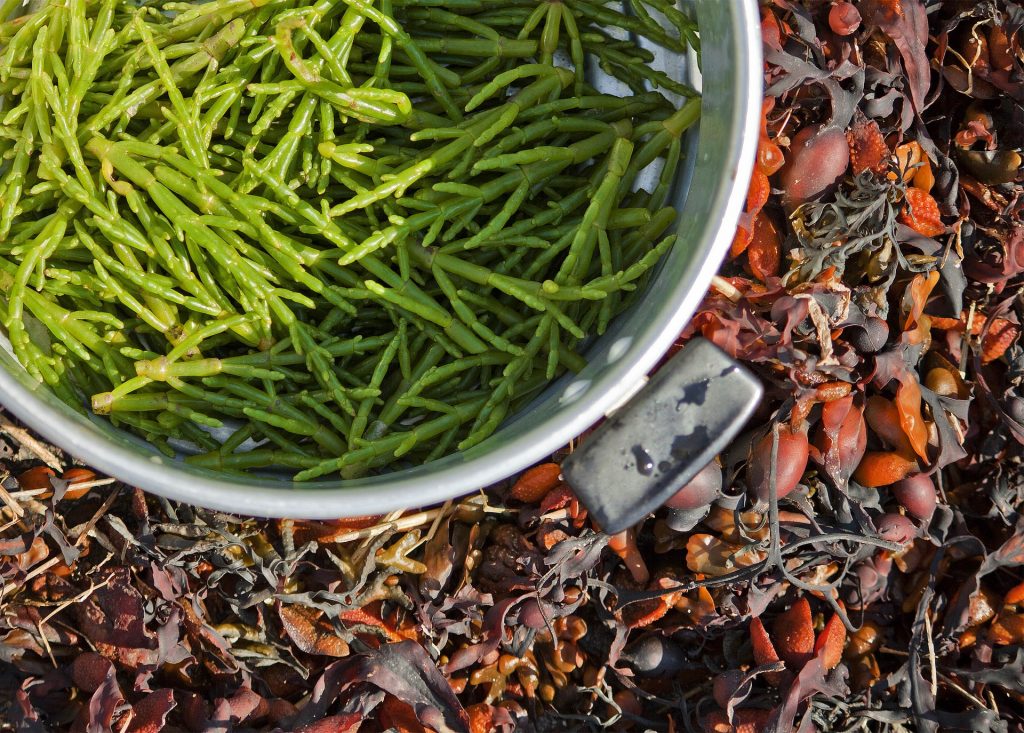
x=708, y=195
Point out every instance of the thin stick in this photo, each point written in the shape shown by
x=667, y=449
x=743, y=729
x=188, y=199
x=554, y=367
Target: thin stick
x=36, y=507
x=77, y=599
x=931, y=654
x=78, y=486
x=388, y=520
x=965, y=340
x=404, y=524
x=16, y=509
x=40, y=569
x=894, y=652
x=726, y=288
x=966, y=693
x=46, y=643
x=33, y=446
x=556, y=515
x=437, y=521
x=97, y=516
x=28, y=493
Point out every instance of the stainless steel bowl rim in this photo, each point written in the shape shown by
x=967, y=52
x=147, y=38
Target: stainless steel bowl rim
x=732, y=64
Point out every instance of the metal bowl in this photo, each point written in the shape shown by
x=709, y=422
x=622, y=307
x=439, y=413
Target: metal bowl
x=709, y=197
